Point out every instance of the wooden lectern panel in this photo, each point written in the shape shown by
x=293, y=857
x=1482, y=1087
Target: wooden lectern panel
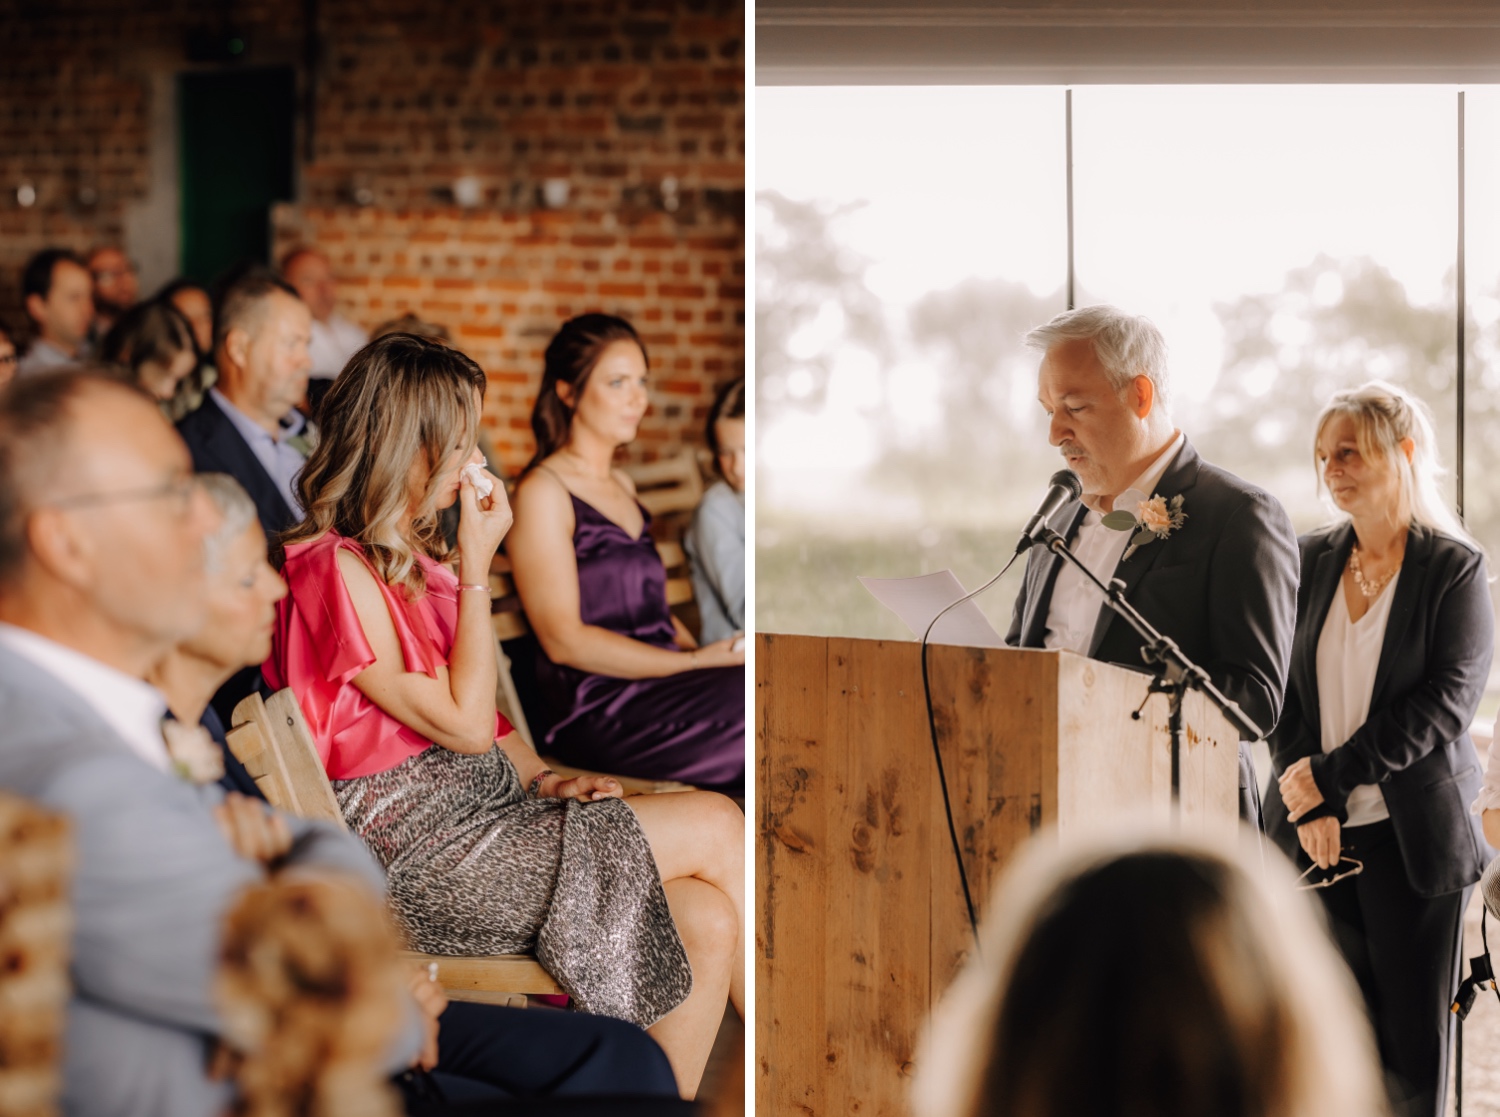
x=860, y=922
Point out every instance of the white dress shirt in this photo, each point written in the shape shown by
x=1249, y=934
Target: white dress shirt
x=1074, y=610
x=333, y=343
x=1348, y=656
x=131, y=707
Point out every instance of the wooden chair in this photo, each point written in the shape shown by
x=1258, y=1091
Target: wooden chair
x=668, y=485
x=272, y=741
x=36, y=934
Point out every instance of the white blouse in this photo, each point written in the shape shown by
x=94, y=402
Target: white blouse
x=1348, y=656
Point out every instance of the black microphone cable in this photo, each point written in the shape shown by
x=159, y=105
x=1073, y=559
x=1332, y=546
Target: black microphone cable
x=937, y=753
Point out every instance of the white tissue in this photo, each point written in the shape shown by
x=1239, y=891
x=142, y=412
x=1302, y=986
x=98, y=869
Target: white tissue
x=482, y=484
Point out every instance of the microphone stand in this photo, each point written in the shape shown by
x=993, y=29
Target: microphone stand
x=1175, y=672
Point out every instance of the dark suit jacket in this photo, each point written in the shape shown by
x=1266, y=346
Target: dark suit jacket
x=1223, y=586
x=217, y=447
x=1433, y=666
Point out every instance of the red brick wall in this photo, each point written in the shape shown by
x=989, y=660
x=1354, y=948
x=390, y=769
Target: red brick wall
x=615, y=96
x=502, y=282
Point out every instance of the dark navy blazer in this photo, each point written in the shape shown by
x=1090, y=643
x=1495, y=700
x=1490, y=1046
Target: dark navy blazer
x=1223, y=586
x=1434, y=663
x=218, y=447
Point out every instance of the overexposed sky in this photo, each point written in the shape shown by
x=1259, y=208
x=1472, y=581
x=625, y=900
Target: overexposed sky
x=1184, y=197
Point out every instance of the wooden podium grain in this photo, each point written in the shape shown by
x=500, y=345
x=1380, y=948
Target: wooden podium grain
x=860, y=921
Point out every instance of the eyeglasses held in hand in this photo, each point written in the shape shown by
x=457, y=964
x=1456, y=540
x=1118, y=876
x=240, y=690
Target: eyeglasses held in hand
x=1357, y=868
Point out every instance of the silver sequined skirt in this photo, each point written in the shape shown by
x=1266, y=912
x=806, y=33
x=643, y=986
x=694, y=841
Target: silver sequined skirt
x=475, y=867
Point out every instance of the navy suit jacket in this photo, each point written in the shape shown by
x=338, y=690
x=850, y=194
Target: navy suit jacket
x=218, y=447
x=1434, y=663
x=1223, y=586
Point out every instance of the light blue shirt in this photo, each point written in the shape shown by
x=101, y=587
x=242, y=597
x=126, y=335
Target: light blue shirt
x=280, y=460
x=716, y=544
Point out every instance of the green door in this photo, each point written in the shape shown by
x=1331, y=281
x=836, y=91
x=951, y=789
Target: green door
x=236, y=129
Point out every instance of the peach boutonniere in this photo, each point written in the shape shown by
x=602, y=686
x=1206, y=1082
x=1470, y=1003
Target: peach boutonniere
x=1154, y=519
x=195, y=755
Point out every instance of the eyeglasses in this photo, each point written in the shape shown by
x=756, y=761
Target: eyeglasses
x=180, y=491
x=1357, y=868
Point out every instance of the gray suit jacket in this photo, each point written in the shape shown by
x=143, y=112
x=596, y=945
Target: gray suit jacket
x=152, y=883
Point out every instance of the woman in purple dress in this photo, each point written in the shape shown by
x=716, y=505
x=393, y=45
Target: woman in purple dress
x=631, y=690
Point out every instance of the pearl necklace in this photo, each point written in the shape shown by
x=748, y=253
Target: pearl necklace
x=1368, y=587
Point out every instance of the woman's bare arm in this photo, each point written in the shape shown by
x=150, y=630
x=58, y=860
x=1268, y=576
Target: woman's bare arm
x=546, y=573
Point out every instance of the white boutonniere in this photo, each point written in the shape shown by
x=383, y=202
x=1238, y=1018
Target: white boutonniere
x=1154, y=519
x=195, y=754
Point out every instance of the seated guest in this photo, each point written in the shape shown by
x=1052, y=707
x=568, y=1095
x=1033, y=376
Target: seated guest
x=193, y=302
x=393, y=660
x=716, y=540
x=1154, y=978
x=101, y=574
x=116, y=287
x=409, y=323
x=334, y=338
x=249, y=426
x=1394, y=639
x=153, y=345
x=482, y=1050
x=10, y=355
x=57, y=294
x=631, y=690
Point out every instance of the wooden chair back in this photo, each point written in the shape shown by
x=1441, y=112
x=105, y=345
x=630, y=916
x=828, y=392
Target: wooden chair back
x=271, y=739
x=667, y=485
x=36, y=935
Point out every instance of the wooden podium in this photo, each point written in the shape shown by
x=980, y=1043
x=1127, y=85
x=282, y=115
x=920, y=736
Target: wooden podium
x=860, y=919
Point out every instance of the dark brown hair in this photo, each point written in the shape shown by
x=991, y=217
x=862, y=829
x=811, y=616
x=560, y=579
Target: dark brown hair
x=401, y=399
x=729, y=403
x=570, y=359
x=151, y=331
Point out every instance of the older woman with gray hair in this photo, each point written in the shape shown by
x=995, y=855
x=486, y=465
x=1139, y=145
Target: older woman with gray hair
x=243, y=591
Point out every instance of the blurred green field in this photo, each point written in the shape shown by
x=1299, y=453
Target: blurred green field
x=805, y=575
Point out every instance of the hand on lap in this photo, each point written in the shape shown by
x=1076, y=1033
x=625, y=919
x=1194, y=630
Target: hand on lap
x=252, y=829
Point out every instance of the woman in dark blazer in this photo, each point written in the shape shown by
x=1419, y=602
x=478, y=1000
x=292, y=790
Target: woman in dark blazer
x=1392, y=650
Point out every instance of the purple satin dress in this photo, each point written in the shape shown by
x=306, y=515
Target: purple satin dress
x=689, y=726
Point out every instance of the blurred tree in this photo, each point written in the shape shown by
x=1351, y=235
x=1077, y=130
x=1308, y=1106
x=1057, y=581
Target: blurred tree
x=811, y=302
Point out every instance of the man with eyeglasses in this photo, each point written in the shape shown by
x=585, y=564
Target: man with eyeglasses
x=116, y=287
x=57, y=292
x=102, y=531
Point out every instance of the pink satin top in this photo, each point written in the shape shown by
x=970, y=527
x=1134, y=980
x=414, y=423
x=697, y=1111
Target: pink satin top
x=319, y=646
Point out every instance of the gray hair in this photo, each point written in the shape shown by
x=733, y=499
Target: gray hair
x=1127, y=345
x=236, y=512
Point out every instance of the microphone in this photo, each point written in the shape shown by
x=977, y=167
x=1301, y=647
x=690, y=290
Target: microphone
x=1063, y=487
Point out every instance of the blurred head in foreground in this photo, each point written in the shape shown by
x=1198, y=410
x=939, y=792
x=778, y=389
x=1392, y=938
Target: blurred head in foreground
x=1150, y=977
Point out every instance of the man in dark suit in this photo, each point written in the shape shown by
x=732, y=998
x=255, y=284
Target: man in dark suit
x=1211, y=560
x=248, y=425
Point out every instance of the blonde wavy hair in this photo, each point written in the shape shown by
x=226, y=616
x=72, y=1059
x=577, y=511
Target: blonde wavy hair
x=1385, y=416
x=1144, y=974
x=402, y=403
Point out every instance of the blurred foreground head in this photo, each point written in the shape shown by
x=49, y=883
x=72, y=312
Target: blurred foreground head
x=1150, y=978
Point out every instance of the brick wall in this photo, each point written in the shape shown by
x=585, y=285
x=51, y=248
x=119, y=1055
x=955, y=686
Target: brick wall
x=636, y=104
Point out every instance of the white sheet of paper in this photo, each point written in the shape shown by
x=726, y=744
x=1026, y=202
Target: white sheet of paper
x=917, y=600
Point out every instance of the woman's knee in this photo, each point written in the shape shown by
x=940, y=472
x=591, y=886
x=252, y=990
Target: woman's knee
x=706, y=921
